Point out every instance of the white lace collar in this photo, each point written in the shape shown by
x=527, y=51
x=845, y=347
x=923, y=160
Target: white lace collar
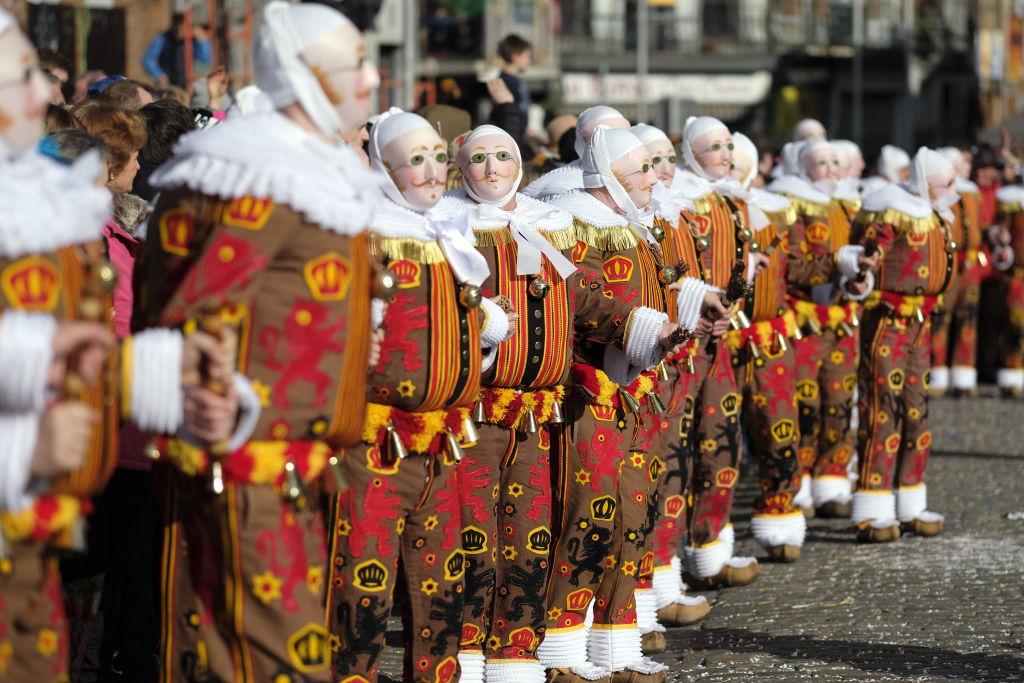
x=1011, y=194
x=690, y=185
x=586, y=208
x=893, y=196
x=964, y=186
x=846, y=189
x=540, y=215
x=45, y=206
x=556, y=182
x=669, y=203
x=266, y=155
x=769, y=201
x=798, y=187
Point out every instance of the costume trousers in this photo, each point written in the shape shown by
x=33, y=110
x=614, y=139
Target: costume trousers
x=407, y=510
x=716, y=463
x=242, y=586
x=768, y=384
x=826, y=375
x=33, y=625
x=1013, y=343
x=505, y=491
x=589, y=552
x=955, y=324
x=675, y=445
x=894, y=440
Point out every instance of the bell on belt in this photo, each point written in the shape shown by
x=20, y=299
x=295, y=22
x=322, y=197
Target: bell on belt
x=469, y=296
x=815, y=327
x=702, y=243
x=782, y=342
x=667, y=275
x=744, y=320
x=919, y=313
x=216, y=477
x=556, y=414
x=663, y=371
x=479, y=414
x=754, y=350
x=587, y=394
x=846, y=328
x=657, y=407
x=528, y=423
x=337, y=473
x=384, y=284
x=658, y=232
x=539, y=288
x=854, y=320
x=395, y=444
x=690, y=367
x=745, y=234
x=797, y=334
x=292, y=484
x=629, y=401
x=469, y=433
x=454, y=447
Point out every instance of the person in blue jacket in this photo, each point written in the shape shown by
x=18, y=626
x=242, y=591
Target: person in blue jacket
x=165, y=58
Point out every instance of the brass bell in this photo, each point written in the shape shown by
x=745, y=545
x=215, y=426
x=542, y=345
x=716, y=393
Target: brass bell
x=919, y=313
x=384, y=284
x=854, y=320
x=292, y=484
x=667, y=275
x=745, y=234
x=782, y=342
x=846, y=329
x=629, y=401
x=470, y=296
x=658, y=232
x=469, y=434
x=754, y=350
x=454, y=447
x=690, y=367
x=395, y=443
x=702, y=244
x=744, y=320
x=216, y=477
x=663, y=371
x=528, y=423
x=337, y=473
x=556, y=414
x=539, y=288
x=813, y=324
x=797, y=334
x=587, y=394
x=734, y=323
x=655, y=403
x=479, y=414
x=78, y=542
x=107, y=275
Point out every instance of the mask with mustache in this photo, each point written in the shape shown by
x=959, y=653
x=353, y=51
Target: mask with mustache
x=23, y=101
x=491, y=165
x=414, y=157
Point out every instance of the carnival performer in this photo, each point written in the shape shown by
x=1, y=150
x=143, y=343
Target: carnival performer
x=1007, y=241
x=848, y=176
x=718, y=225
x=955, y=322
x=261, y=225
x=823, y=275
x=912, y=227
x=63, y=385
x=401, y=501
x=519, y=412
x=673, y=432
x=893, y=166
x=603, y=480
x=570, y=176
x=809, y=129
x=765, y=363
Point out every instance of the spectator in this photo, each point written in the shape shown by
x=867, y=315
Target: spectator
x=165, y=58
x=59, y=72
x=506, y=114
x=84, y=83
x=59, y=118
x=166, y=121
x=122, y=92
x=212, y=92
x=516, y=53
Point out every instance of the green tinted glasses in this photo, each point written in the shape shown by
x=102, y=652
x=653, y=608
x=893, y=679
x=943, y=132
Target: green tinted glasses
x=481, y=157
x=418, y=159
x=658, y=160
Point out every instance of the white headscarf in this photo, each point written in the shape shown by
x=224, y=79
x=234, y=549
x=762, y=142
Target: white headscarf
x=590, y=118
x=462, y=161
x=607, y=145
x=746, y=147
x=6, y=22
x=250, y=100
x=809, y=129
x=285, y=32
x=387, y=127
x=928, y=162
x=890, y=161
x=648, y=134
x=695, y=127
x=827, y=187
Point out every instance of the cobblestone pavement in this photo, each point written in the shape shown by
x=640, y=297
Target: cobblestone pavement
x=944, y=609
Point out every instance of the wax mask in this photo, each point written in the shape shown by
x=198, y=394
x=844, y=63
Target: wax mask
x=740, y=166
x=636, y=175
x=348, y=79
x=962, y=166
x=614, y=122
x=663, y=158
x=940, y=185
x=856, y=165
x=822, y=164
x=24, y=94
x=713, y=151
x=491, y=168
x=418, y=163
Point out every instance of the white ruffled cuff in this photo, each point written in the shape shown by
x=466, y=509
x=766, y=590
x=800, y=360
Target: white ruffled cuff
x=667, y=585
x=642, y=344
x=157, y=399
x=963, y=377
x=804, y=497
x=847, y=259
x=831, y=489
x=472, y=667
x=938, y=378
x=26, y=351
x=20, y=431
x=869, y=277
x=249, y=409
x=646, y=610
x=618, y=368
x=873, y=505
x=706, y=560
x=911, y=501
x=377, y=309
x=495, y=324
x=614, y=648
x=488, y=359
x=562, y=649
x=513, y=671
x=773, y=530
x=1010, y=378
x=690, y=301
